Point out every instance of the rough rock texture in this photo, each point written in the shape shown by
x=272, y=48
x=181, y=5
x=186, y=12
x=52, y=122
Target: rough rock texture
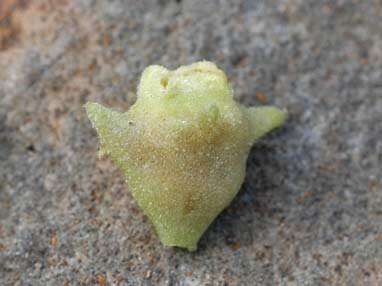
x=310, y=210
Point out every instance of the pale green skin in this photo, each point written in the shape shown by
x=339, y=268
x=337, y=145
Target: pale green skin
x=183, y=146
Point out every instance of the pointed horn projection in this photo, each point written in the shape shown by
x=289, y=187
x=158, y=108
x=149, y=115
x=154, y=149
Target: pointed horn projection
x=264, y=119
x=108, y=124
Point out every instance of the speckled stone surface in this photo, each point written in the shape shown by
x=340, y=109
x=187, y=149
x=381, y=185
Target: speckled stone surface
x=310, y=210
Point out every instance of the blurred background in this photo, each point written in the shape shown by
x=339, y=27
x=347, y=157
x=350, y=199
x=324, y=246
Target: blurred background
x=310, y=210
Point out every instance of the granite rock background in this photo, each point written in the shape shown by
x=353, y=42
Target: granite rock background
x=310, y=210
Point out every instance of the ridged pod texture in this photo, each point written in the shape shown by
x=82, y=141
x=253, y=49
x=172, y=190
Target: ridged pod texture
x=182, y=146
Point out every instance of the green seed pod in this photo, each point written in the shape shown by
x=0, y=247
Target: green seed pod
x=183, y=146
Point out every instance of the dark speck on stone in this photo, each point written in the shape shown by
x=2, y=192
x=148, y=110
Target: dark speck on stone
x=309, y=212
